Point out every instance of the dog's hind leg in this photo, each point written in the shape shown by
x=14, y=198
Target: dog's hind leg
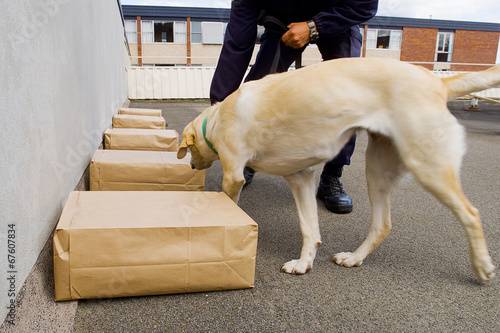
x=383, y=170
x=303, y=190
x=442, y=181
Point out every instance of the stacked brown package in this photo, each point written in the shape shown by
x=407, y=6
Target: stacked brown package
x=134, y=121
x=141, y=112
x=126, y=170
x=146, y=227
x=141, y=139
x=116, y=244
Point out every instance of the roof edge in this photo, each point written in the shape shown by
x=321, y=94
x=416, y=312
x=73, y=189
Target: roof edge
x=222, y=14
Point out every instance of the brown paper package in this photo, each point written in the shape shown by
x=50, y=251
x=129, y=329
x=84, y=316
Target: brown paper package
x=133, y=121
x=117, y=244
x=141, y=139
x=141, y=112
x=135, y=170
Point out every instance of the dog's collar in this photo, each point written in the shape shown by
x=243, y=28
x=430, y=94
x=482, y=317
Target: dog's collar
x=209, y=144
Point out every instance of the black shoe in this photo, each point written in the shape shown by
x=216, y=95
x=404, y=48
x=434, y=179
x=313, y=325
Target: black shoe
x=331, y=192
x=248, y=173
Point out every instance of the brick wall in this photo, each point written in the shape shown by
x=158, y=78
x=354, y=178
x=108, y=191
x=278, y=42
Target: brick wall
x=419, y=44
x=477, y=47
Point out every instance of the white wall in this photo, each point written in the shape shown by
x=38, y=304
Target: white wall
x=62, y=76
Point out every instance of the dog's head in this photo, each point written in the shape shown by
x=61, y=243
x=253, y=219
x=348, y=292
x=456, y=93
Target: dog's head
x=202, y=156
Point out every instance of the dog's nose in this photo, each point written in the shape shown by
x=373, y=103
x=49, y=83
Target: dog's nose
x=192, y=166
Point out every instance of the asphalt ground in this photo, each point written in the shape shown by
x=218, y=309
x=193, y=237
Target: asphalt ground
x=418, y=280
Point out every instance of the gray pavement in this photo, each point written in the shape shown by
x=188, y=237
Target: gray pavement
x=418, y=280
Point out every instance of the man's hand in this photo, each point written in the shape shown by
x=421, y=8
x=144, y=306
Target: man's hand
x=297, y=35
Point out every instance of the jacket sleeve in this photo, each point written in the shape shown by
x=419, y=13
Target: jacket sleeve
x=237, y=49
x=345, y=14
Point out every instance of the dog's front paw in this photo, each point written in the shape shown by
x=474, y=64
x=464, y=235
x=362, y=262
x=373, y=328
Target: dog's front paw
x=296, y=267
x=484, y=269
x=347, y=259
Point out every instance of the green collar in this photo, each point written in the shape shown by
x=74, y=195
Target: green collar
x=209, y=144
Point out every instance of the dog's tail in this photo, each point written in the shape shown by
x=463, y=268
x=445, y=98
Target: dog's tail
x=463, y=84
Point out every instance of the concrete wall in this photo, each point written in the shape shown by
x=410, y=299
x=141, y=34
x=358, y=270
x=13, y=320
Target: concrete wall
x=383, y=53
x=62, y=76
x=173, y=54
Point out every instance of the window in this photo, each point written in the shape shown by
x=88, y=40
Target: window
x=131, y=31
x=383, y=39
x=212, y=32
x=147, y=32
x=444, y=47
x=180, y=32
x=196, y=32
x=208, y=32
x=163, y=32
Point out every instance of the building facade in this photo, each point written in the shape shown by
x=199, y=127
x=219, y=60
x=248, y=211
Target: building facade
x=188, y=36
x=435, y=44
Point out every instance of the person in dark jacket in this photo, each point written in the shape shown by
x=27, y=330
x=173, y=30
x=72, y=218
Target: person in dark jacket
x=331, y=24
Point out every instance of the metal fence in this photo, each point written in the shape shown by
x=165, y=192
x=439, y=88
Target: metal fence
x=169, y=82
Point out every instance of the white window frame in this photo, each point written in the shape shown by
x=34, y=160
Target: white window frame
x=131, y=30
x=147, y=31
x=394, y=39
x=212, y=33
x=441, y=49
x=154, y=32
x=196, y=33
x=179, y=32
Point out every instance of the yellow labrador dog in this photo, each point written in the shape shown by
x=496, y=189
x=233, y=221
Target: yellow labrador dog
x=285, y=123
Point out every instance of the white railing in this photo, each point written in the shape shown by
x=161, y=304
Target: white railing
x=169, y=82
x=194, y=82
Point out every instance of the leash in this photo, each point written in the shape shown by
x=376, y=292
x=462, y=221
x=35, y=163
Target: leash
x=274, y=25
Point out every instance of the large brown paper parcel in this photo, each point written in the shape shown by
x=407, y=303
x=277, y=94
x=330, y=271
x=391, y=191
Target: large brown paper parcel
x=141, y=139
x=136, y=170
x=117, y=244
x=141, y=112
x=133, y=121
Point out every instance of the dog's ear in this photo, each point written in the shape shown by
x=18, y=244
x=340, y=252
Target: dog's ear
x=187, y=141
